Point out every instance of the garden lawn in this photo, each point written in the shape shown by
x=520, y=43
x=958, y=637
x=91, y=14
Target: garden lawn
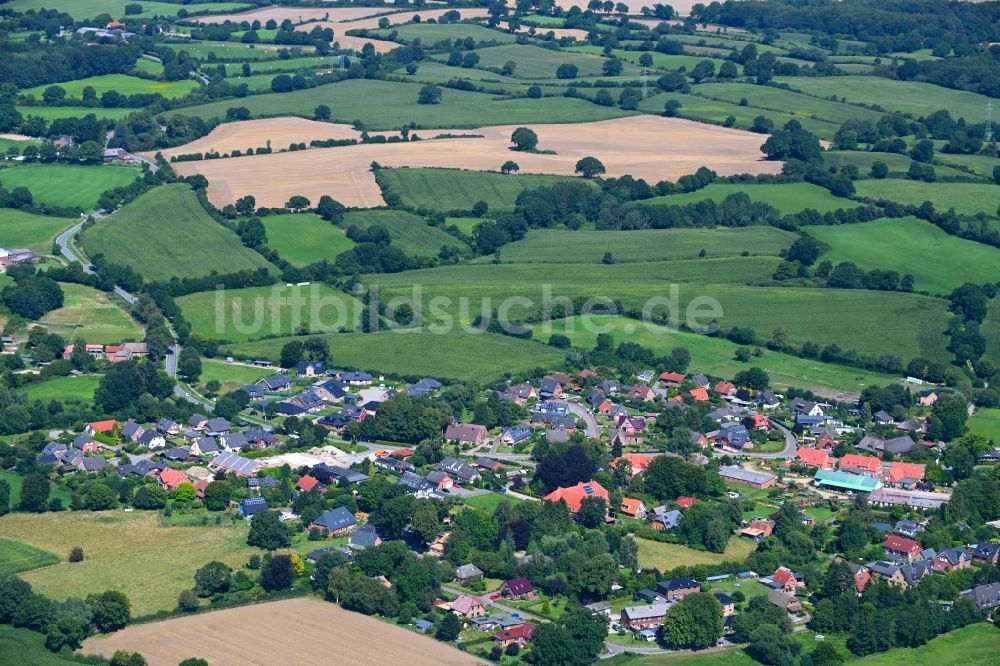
x=489, y=501
x=304, y=238
x=17, y=557
x=453, y=189
x=51, y=113
x=386, y=105
x=913, y=97
x=562, y=246
x=128, y=552
x=120, y=83
x=715, y=356
x=167, y=233
x=255, y=312
x=89, y=315
x=938, y=261
x=786, y=197
x=63, y=388
x=67, y=185
x=407, y=231
x=35, y=232
x=965, y=198
x=455, y=355
x=665, y=556
x=986, y=422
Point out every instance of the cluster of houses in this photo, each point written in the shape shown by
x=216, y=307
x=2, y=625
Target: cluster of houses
x=16, y=256
x=126, y=351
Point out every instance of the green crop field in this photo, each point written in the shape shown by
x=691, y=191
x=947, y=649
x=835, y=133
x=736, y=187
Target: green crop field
x=234, y=51
x=981, y=165
x=84, y=9
x=452, y=189
x=35, y=232
x=898, y=164
x=965, y=198
x=786, y=197
x=268, y=66
x=913, y=97
x=986, y=422
x=716, y=356
x=716, y=112
x=456, y=355
x=149, y=67
x=120, y=83
x=67, y=184
x=304, y=238
x=255, y=312
x=561, y=246
x=166, y=233
x=129, y=552
x=534, y=62
x=907, y=325
x=408, y=231
x=465, y=224
x=776, y=99
x=88, y=314
x=938, y=261
x=432, y=33
x=660, y=60
x=51, y=113
x=6, y=144
x=16, y=557
x=23, y=646
x=385, y=105
x=63, y=388
x=231, y=375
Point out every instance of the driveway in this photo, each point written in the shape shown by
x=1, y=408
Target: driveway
x=495, y=604
x=791, y=446
x=581, y=412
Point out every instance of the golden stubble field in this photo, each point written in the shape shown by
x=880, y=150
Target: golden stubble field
x=650, y=147
x=340, y=26
x=304, y=632
x=295, y=14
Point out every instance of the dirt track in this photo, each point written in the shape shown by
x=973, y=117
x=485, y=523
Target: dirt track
x=304, y=632
x=650, y=147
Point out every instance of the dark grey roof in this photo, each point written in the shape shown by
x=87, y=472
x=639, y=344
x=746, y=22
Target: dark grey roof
x=94, y=463
x=459, y=468
x=236, y=440
x=207, y=445
x=165, y=425
x=985, y=596
x=898, y=445
x=336, y=519
x=81, y=441
x=195, y=419
x=131, y=428
x=177, y=453
x=274, y=382
x=364, y=537
x=414, y=481
x=218, y=424
x=149, y=437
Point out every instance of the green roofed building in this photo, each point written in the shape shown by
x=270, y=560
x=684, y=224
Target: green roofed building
x=836, y=480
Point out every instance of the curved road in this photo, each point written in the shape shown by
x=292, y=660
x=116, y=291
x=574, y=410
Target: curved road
x=791, y=446
x=581, y=412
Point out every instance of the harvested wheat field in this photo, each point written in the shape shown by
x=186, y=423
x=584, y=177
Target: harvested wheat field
x=371, y=22
x=256, y=133
x=650, y=147
x=357, y=43
x=304, y=632
x=559, y=33
x=295, y=14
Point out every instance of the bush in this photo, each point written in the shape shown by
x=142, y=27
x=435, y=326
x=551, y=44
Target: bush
x=76, y=554
x=188, y=601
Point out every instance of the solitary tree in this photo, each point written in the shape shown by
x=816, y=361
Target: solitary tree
x=589, y=167
x=297, y=202
x=524, y=139
x=509, y=167
x=429, y=94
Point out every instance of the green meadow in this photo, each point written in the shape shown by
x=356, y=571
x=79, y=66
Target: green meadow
x=452, y=189
x=777, y=99
x=16, y=557
x=121, y=83
x=534, y=62
x=304, y=238
x=898, y=164
x=715, y=356
x=986, y=422
x=35, y=232
x=63, y=388
x=255, y=312
x=786, y=197
x=70, y=185
x=89, y=315
x=965, y=198
x=84, y=9
x=51, y=113
x=432, y=33
x=407, y=231
x=195, y=244
x=562, y=246
x=938, y=261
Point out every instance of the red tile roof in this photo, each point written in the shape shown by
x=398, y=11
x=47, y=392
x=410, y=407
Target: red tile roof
x=904, y=470
x=171, y=478
x=631, y=506
x=686, y=502
x=638, y=461
x=673, y=377
x=898, y=544
x=102, y=426
x=814, y=457
x=520, y=632
x=854, y=461
x=699, y=394
x=574, y=495
x=306, y=483
x=725, y=388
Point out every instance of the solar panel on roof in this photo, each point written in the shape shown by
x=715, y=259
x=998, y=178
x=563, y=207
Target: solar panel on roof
x=588, y=490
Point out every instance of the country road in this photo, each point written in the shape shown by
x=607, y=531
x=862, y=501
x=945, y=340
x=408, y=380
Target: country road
x=581, y=412
x=791, y=446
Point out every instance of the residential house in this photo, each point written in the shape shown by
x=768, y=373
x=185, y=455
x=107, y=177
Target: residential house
x=858, y=464
x=466, y=433
x=785, y=601
x=152, y=439
x=468, y=573
x=364, y=537
x=785, y=579
x=902, y=547
x=167, y=427
x=519, y=394
x=309, y=368
x=642, y=393
x=638, y=618
x=815, y=458
x=672, y=379
x=951, y=559
x=600, y=608
x=519, y=635
x=93, y=464
x=861, y=576
x=631, y=424
x=759, y=421
x=234, y=442
x=701, y=381
x=677, y=588
x=599, y=403
x=610, y=387
x=987, y=553
x=335, y=521
x=259, y=438
x=724, y=414
x=85, y=444
x=516, y=434
x=205, y=446
x=633, y=508
x=177, y=454
x=171, y=478
x=414, y=483
x=549, y=388
x=197, y=421
x=468, y=606
x=903, y=475
x=574, y=495
x=127, y=351
x=459, y=469
x=667, y=520
x=806, y=407
x=727, y=602
x=309, y=483
x=393, y=464
x=519, y=588
x=132, y=431
x=908, y=528
x=425, y=386
x=275, y=383
x=768, y=400
x=100, y=427
x=735, y=436
x=440, y=481
x=234, y=464
x=685, y=502
x=217, y=426
x=724, y=388
x=251, y=506
x=986, y=597
x=699, y=394
x=825, y=440
x=928, y=398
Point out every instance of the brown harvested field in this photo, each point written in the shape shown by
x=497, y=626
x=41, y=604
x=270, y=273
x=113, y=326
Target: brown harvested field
x=650, y=147
x=371, y=22
x=358, y=43
x=577, y=33
x=17, y=137
x=256, y=133
x=296, y=14
x=304, y=632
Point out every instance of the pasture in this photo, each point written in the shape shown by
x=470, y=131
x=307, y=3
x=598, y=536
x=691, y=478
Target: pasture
x=35, y=232
x=84, y=9
x=456, y=355
x=23, y=646
x=255, y=312
x=660, y=60
x=128, y=552
x=292, y=628
x=166, y=233
x=16, y=481
x=69, y=185
x=965, y=198
x=649, y=147
x=561, y=246
x=17, y=557
x=304, y=238
x=786, y=101
x=986, y=422
x=231, y=375
x=981, y=165
x=786, y=197
x=938, y=261
x=432, y=33
x=63, y=388
x=51, y=113
x=716, y=356
x=453, y=189
x=666, y=556
x=534, y=62
x=407, y=231
x=907, y=325
x=913, y=97
x=226, y=51
x=120, y=83
x=89, y=315
x=274, y=66
x=898, y=164
x=382, y=105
